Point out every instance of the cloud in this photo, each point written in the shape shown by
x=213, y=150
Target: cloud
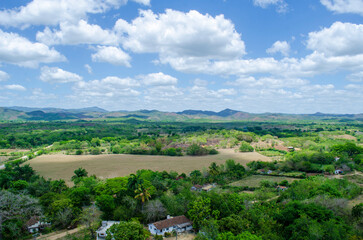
x=334, y=49
x=4, y=76
x=38, y=96
x=75, y=34
x=18, y=50
x=89, y=68
x=51, y=12
x=278, y=46
x=15, y=87
x=344, y=6
x=111, y=55
x=108, y=87
x=57, y=75
x=268, y=82
x=338, y=40
x=355, y=77
x=282, y=7
x=178, y=36
x=158, y=79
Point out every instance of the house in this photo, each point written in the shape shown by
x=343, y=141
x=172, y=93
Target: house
x=35, y=225
x=338, y=171
x=208, y=187
x=179, y=224
x=281, y=188
x=197, y=188
x=101, y=232
x=291, y=149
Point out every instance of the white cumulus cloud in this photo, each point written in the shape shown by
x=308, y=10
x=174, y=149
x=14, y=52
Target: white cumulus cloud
x=52, y=12
x=338, y=40
x=279, y=47
x=178, y=36
x=113, y=55
x=18, y=50
x=75, y=34
x=158, y=79
x=344, y=6
x=57, y=75
x=281, y=4
x=15, y=87
x=3, y=76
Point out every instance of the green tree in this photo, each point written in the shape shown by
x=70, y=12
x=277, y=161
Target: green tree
x=106, y=204
x=200, y=211
x=143, y=194
x=245, y=147
x=127, y=231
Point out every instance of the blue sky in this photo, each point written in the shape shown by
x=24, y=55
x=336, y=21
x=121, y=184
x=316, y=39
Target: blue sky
x=287, y=56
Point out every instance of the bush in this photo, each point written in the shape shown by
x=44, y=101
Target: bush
x=79, y=152
x=196, y=150
x=95, y=151
x=213, y=152
x=246, y=147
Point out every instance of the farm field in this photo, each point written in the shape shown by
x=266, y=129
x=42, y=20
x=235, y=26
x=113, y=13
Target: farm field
x=59, y=166
x=254, y=180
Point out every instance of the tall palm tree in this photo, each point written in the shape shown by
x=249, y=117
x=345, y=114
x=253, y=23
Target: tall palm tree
x=143, y=194
x=134, y=181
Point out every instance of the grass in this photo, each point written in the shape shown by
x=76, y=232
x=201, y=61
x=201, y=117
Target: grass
x=59, y=166
x=254, y=180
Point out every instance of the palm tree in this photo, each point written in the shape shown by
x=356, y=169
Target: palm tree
x=143, y=194
x=134, y=181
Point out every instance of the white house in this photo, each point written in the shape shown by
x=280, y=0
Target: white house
x=179, y=224
x=34, y=225
x=101, y=232
x=338, y=171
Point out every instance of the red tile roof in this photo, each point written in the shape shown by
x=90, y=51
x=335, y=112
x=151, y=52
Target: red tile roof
x=33, y=220
x=171, y=222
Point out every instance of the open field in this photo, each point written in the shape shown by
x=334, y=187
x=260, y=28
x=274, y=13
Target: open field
x=254, y=180
x=59, y=166
x=10, y=150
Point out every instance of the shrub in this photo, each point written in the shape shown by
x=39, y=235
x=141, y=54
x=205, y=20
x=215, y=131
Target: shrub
x=196, y=150
x=245, y=147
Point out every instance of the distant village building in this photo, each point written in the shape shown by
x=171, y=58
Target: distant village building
x=338, y=171
x=196, y=188
x=291, y=149
x=179, y=224
x=34, y=225
x=205, y=188
x=208, y=187
x=101, y=232
x=264, y=171
x=281, y=188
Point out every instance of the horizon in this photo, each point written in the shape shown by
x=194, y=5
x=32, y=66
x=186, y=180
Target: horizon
x=203, y=110
x=260, y=56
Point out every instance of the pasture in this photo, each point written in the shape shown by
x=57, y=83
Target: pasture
x=60, y=166
x=254, y=180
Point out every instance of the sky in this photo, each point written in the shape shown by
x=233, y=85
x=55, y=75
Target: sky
x=286, y=56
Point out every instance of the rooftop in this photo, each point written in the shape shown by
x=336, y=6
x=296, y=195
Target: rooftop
x=171, y=222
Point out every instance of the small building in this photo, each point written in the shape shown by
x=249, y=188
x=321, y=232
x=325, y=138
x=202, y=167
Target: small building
x=291, y=149
x=34, y=225
x=338, y=171
x=179, y=224
x=101, y=232
x=197, y=188
x=281, y=188
x=208, y=187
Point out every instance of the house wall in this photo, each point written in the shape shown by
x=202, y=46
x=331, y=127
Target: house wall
x=154, y=231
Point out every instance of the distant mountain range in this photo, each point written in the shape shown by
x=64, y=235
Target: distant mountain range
x=50, y=114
